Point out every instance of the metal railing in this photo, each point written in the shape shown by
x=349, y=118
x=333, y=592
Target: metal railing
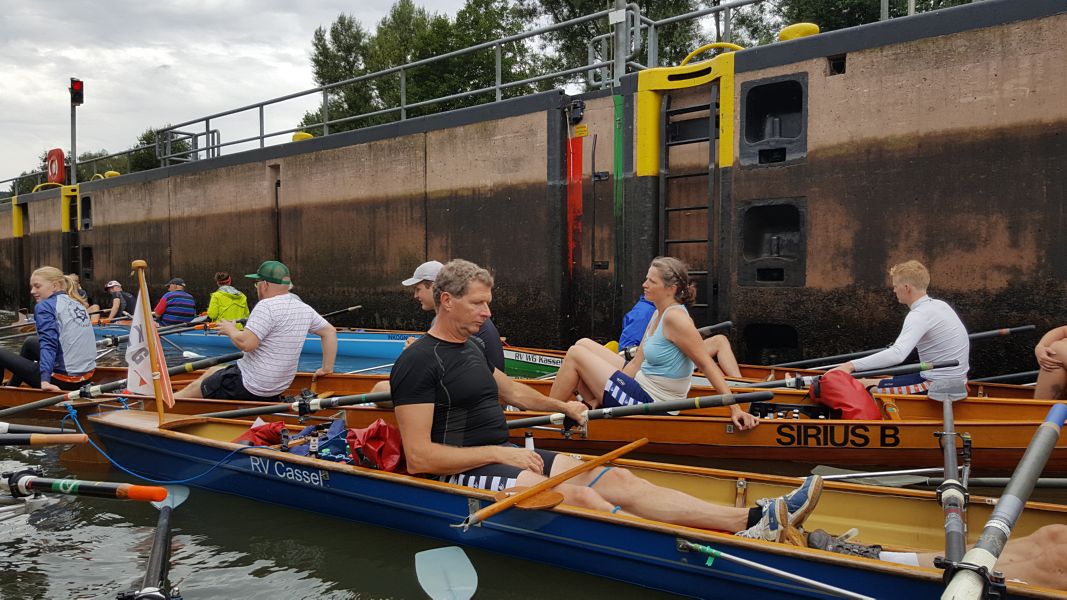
x=625, y=28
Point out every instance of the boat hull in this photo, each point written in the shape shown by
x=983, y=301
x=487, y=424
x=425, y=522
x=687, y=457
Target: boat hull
x=643, y=553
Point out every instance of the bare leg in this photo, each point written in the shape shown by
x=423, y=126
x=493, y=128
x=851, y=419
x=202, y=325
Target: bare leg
x=574, y=495
x=639, y=497
x=193, y=389
x=582, y=366
x=1052, y=385
x=1039, y=558
x=602, y=352
x=718, y=347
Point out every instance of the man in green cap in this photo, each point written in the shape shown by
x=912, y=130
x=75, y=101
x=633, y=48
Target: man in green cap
x=271, y=340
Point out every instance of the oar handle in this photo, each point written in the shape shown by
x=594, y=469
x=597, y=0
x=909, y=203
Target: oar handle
x=992, y=333
x=302, y=406
x=42, y=439
x=551, y=482
x=342, y=311
x=649, y=408
x=799, y=382
x=706, y=332
x=28, y=482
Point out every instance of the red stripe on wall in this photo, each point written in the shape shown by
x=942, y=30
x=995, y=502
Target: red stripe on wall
x=574, y=202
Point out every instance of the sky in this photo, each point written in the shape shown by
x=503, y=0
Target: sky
x=146, y=64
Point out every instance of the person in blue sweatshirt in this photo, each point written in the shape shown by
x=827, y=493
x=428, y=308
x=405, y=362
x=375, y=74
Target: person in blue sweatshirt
x=66, y=358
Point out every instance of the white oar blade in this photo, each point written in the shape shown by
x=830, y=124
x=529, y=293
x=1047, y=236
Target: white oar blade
x=881, y=480
x=176, y=494
x=446, y=573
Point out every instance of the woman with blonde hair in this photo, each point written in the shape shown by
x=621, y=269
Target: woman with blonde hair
x=662, y=368
x=66, y=358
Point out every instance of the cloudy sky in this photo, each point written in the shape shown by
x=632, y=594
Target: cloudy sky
x=152, y=63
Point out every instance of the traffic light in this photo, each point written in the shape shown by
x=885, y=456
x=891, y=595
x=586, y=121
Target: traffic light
x=77, y=91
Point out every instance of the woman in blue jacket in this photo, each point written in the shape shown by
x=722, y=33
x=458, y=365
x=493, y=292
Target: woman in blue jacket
x=67, y=355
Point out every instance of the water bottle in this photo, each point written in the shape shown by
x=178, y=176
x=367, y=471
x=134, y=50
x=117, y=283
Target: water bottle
x=529, y=441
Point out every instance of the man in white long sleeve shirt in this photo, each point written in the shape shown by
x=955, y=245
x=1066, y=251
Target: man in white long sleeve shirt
x=931, y=326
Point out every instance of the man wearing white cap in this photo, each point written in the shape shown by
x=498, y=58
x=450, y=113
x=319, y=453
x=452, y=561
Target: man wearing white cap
x=423, y=280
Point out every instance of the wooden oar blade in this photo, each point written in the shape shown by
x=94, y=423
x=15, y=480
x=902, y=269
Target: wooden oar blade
x=541, y=501
x=446, y=573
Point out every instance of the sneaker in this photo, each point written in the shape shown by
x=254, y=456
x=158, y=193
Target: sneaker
x=772, y=526
x=824, y=541
x=801, y=501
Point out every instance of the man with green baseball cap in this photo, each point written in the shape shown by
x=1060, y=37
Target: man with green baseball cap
x=272, y=341
x=273, y=272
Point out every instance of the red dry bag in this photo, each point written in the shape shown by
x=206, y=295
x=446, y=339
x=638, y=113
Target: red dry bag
x=841, y=391
x=377, y=446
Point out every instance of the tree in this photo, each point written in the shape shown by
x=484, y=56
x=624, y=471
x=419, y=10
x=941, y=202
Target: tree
x=87, y=169
x=339, y=54
x=760, y=23
x=569, y=45
x=145, y=158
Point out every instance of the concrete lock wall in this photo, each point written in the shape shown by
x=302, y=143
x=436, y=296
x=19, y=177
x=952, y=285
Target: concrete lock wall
x=352, y=220
x=948, y=150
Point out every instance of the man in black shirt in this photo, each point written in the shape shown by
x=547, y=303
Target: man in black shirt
x=448, y=407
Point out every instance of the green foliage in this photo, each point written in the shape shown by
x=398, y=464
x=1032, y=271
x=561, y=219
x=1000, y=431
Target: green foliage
x=87, y=169
x=145, y=158
x=760, y=23
x=569, y=45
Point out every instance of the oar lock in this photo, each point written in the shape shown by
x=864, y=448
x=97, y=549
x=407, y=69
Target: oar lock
x=14, y=481
x=993, y=586
x=302, y=401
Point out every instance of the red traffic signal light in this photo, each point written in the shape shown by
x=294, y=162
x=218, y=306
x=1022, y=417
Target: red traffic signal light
x=77, y=91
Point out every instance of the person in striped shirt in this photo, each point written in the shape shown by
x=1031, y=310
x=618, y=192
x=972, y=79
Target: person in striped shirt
x=272, y=341
x=177, y=305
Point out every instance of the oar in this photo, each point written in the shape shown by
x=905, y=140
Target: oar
x=650, y=408
x=686, y=545
x=966, y=582
x=1024, y=376
x=342, y=311
x=807, y=380
x=17, y=428
x=953, y=495
x=42, y=439
x=155, y=579
x=302, y=407
x=96, y=390
x=369, y=369
x=710, y=330
x=17, y=325
x=446, y=573
x=28, y=482
x=546, y=485
x=841, y=358
x=16, y=336
x=897, y=478
x=115, y=340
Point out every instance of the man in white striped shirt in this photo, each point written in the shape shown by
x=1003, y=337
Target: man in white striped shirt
x=931, y=326
x=272, y=341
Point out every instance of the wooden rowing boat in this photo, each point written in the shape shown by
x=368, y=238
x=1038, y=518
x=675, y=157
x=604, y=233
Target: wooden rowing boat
x=639, y=551
x=999, y=429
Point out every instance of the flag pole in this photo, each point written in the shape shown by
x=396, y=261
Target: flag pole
x=139, y=266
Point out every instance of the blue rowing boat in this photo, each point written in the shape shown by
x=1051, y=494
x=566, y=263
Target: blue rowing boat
x=642, y=552
x=356, y=343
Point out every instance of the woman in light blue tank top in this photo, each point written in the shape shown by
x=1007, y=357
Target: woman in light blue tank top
x=662, y=369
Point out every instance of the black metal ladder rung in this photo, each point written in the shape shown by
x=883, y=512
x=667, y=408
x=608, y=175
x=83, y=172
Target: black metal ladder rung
x=687, y=110
x=686, y=241
x=681, y=208
x=687, y=142
x=686, y=175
